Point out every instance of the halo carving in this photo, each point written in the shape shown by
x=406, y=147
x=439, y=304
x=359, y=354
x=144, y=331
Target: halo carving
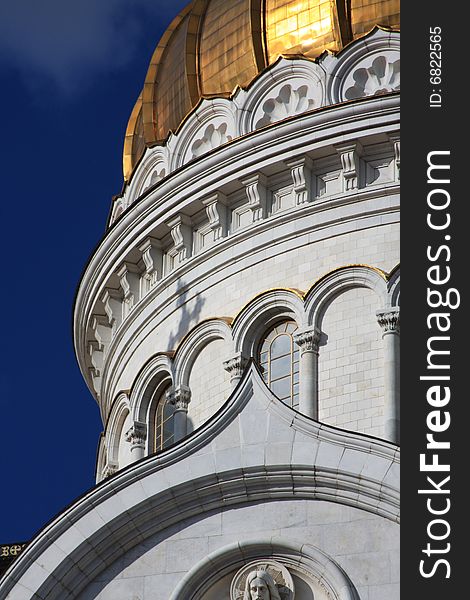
x=281, y=576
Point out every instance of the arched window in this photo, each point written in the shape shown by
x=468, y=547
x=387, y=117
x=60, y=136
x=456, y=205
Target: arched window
x=164, y=423
x=279, y=362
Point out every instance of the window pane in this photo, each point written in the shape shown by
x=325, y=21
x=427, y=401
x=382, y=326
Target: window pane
x=281, y=388
x=164, y=423
x=281, y=345
x=281, y=367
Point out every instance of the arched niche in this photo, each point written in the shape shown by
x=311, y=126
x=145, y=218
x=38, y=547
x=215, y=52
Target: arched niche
x=209, y=383
x=351, y=362
x=315, y=574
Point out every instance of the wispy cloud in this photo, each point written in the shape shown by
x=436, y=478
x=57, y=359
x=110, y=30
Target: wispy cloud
x=68, y=42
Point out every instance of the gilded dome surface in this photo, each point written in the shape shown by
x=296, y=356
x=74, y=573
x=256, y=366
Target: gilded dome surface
x=213, y=46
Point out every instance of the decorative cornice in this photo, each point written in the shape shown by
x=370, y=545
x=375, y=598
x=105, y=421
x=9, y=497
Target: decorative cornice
x=255, y=187
x=146, y=215
x=301, y=173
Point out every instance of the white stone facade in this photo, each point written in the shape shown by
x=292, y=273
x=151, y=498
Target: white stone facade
x=277, y=205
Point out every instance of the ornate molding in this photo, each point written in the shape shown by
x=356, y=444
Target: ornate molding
x=137, y=434
x=255, y=187
x=182, y=234
x=110, y=469
x=180, y=397
x=112, y=301
x=235, y=366
x=350, y=155
x=379, y=76
x=216, y=210
x=212, y=138
x=129, y=279
x=395, y=139
x=288, y=102
x=389, y=320
x=301, y=173
x=308, y=341
x=152, y=257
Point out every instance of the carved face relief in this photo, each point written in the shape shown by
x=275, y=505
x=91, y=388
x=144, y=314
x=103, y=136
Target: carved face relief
x=267, y=580
x=259, y=589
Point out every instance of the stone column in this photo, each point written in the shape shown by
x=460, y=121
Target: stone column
x=308, y=342
x=235, y=367
x=389, y=321
x=137, y=436
x=180, y=398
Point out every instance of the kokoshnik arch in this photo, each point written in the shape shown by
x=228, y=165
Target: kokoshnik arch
x=238, y=325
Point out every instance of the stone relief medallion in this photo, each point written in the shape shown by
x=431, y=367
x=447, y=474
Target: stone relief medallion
x=273, y=575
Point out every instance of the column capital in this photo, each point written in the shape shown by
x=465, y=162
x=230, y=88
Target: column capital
x=137, y=434
x=179, y=397
x=110, y=469
x=236, y=365
x=308, y=340
x=389, y=320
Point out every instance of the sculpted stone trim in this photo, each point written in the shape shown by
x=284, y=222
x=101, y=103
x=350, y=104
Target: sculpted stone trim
x=339, y=280
x=394, y=287
x=320, y=462
x=302, y=179
x=389, y=320
x=216, y=210
x=180, y=397
x=110, y=252
x=101, y=458
x=192, y=344
x=344, y=81
x=236, y=366
x=182, y=234
x=308, y=341
x=119, y=411
x=152, y=257
x=291, y=85
x=154, y=161
x=157, y=372
x=317, y=563
x=137, y=434
x=221, y=257
x=211, y=124
x=261, y=313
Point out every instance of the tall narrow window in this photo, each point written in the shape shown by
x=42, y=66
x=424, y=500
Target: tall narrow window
x=164, y=424
x=279, y=362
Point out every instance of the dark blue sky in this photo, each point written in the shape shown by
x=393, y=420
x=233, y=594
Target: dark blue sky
x=70, y=71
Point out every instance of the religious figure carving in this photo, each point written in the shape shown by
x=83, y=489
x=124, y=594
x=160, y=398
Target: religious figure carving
x=266, y=580
x=260, y=586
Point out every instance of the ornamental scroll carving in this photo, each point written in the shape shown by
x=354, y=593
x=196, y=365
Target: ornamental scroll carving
x=262, y=580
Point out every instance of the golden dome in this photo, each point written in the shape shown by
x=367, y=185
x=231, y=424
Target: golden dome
x=212, y=46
